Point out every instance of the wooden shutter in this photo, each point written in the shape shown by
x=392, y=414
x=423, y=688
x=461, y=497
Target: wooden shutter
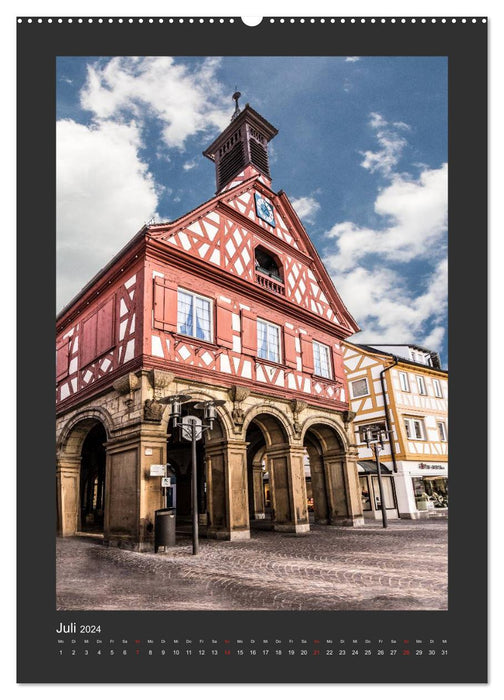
x=224, y=325
x=307, y=352
x=87, y=340
x=338, y=371
x=249, y=332
x=62, y=358
x=165, y=305
x=105, y=326
x=290, y=347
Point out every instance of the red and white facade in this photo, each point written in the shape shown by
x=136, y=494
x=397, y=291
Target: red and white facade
x=125, y=331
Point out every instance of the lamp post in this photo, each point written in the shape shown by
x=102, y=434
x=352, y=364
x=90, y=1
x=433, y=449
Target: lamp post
x=377, y=439
x=192, y=430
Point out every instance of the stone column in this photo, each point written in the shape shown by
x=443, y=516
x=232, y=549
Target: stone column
x=343, y=494
x=227, y=492
x=285, y=464
x=68, y=493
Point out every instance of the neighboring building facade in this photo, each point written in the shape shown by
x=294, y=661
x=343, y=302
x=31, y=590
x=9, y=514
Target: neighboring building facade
x=401, y=388
x=230, y=302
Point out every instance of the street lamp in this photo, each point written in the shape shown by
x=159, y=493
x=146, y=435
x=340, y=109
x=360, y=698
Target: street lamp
x=192, y=429
x=377, y=439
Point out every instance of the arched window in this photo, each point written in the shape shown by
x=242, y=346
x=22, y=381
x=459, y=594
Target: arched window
x=266, y=264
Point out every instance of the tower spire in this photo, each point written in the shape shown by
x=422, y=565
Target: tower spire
x=236, y=97
x=242, y=146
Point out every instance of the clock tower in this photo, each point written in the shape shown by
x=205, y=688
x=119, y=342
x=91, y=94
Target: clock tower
x=241, y=150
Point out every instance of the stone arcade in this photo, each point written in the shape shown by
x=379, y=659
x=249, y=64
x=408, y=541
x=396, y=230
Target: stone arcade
x=229, y=302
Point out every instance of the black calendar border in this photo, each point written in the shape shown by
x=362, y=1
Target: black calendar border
x=465, y=44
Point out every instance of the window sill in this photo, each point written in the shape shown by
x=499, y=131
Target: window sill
x=180, y=337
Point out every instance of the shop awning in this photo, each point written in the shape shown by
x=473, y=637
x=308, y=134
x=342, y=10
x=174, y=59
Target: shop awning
x=368, y=466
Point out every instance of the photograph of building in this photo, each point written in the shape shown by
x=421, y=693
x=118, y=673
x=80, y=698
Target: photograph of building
x=229, y=303
x=403, y=389
x=213, y=365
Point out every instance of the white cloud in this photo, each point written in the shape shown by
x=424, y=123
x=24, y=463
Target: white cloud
x=352, y=59
x=416, y=214
x=369, y=264
x=306, y=208
x=190, y=164
x=392, y=144
x=186, y=99
x=389, y=312
x=104, y=195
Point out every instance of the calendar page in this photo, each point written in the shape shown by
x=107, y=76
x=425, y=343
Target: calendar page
x=254, y=234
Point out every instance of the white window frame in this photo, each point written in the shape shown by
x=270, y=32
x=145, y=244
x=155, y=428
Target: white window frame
x=410, y=427
x=405, y=386
x=319, y=347
x=443, y=434
x=421, y=385
x=268, y=325
x=438, y=389
x=365, y=379
x=194, y=297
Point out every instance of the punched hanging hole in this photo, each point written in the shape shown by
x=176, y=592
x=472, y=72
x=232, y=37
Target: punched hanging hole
x=251, y=21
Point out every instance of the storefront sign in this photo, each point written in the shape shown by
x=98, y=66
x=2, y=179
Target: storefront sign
x=422, y=465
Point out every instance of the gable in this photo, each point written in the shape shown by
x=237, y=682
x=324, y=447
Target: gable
x=226, y=231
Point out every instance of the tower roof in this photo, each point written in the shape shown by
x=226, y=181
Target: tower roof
x=244, y=142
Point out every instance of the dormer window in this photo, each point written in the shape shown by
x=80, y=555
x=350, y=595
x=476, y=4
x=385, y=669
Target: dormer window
x=266, y=264
x=268, y=271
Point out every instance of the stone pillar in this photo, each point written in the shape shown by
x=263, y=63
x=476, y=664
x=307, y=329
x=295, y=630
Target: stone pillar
x=131, y=495
x=343, y=493
x=68, y=495
x=227, y=492
x=285, y=464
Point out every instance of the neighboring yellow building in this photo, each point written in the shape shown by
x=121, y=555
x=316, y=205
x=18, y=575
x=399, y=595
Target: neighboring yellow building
x=401, y=388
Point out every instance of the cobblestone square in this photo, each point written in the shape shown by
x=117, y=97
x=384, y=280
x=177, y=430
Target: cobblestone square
x=403, y=567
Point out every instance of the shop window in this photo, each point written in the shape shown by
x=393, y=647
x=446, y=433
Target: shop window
x=415, y=428
x=437, y=388
x=442, y=431
x=404, y=381
x=321, y=360
x=359, y=388
x=194, y=315
x=268, y=341
x=365, y=497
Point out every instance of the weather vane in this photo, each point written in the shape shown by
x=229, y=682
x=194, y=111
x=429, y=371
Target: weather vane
x=236, y=97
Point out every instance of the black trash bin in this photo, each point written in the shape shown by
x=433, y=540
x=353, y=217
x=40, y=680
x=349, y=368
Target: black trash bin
x=164, y=528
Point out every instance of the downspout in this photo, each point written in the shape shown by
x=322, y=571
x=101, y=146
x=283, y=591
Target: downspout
x=387, y=419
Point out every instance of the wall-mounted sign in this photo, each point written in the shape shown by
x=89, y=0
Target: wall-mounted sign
x=422, y=465
x=166, y=481
x=158, y=469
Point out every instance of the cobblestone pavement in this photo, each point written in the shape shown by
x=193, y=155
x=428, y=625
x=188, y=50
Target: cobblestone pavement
x=368, y=568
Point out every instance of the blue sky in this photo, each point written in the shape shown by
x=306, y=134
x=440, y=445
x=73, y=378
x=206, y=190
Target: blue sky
x=361, y=152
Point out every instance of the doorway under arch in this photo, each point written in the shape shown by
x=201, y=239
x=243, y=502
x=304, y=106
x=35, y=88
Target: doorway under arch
x=92, y=480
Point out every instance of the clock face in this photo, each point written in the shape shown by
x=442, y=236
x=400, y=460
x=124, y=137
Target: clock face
x=264, y=209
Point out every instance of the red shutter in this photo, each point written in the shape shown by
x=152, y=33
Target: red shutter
x=339, y=372
x=105, y=327
x=224, y=325
x=62, y=357
x=87, y=340
x=307, y=352
x=249, y=332
x=290, y=347
x=165, y=305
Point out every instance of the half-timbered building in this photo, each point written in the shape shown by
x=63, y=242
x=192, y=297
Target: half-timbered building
x=404, y=390
x=230, y=302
